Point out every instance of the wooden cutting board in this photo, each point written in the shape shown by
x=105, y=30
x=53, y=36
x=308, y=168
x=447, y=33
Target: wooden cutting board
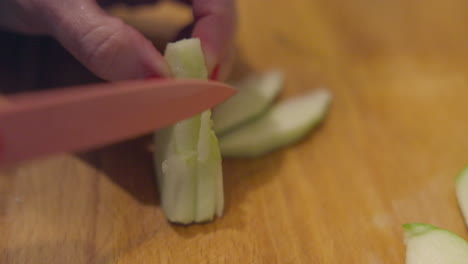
x=387, y=153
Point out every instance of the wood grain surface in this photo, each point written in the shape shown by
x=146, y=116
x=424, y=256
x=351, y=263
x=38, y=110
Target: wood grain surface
x=387, y=153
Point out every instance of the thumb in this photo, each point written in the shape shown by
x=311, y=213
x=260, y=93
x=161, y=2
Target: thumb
x=109, y=48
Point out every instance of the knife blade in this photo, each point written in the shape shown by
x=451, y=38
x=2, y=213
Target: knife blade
x=89, y=116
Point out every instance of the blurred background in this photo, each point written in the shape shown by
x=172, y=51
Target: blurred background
x=314, y=37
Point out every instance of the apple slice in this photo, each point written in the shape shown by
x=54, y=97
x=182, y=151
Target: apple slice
x=427, y=244
x=255, y=94
x=462, y=192
x=187, y=157
x=282, y=125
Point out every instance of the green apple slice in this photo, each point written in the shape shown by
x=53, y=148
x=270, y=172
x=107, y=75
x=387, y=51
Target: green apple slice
x=254, y=95
x=187, y=159
x=186, y=60
x=210, y=196
x=282, y=125
x=427, y=244
x=462, y=192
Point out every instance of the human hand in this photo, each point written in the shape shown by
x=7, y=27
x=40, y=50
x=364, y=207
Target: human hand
x=111, y=49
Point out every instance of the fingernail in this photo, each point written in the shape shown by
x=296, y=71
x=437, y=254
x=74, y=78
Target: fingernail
x=215, y=73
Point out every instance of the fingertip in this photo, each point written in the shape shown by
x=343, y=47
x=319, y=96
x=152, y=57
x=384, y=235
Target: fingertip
x=222, y=66
x=135, y=57
x=157, y=65
x=212, y=62
x=215, y=25
x=215, y=73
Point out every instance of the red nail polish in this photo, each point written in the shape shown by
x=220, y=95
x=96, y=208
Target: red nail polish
x=214, y=74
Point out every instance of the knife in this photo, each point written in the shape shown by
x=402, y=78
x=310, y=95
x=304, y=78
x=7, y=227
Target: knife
x=79, y=118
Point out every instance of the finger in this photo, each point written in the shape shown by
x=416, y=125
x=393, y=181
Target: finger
x=226, y=65
x=215, y=25
x=3, y=102
x=221, y=70
x=104, y=44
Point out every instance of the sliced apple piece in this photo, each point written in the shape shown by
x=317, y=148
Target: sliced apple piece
x=427, y=244
x=187, y=159
x=462, y=192
x=282, y=125
x=255, y=93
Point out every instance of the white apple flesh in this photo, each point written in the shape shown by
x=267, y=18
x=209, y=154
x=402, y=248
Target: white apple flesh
x=427, y=244
x=255, y=94
x=282, y=125
x=462, y=192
